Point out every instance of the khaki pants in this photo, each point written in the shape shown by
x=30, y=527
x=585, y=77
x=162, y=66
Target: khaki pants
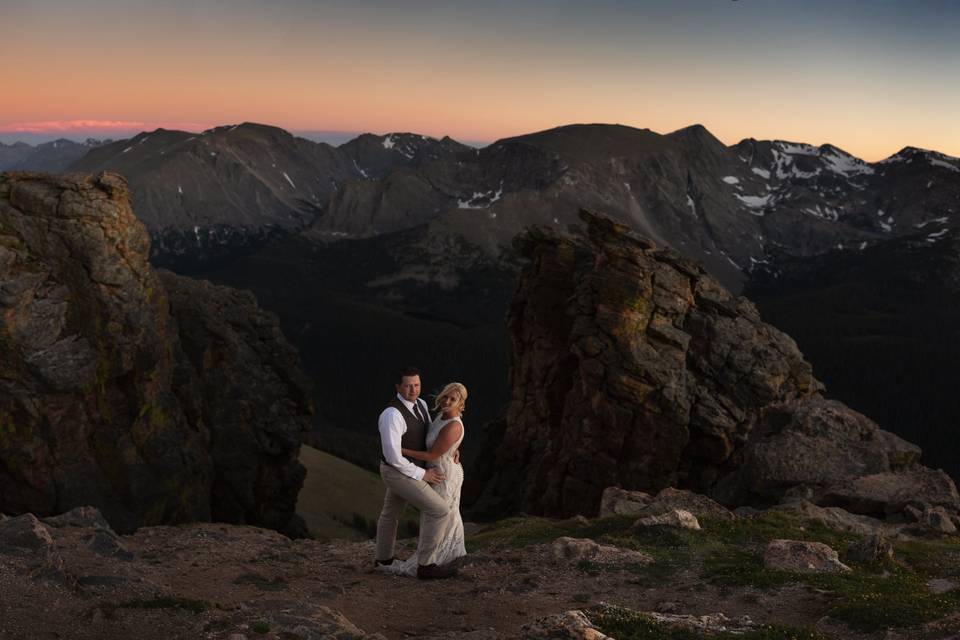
x=402, y=489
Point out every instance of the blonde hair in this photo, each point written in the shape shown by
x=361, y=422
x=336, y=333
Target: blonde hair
x=452, y=389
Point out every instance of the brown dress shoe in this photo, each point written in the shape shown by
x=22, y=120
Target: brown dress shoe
x=436, y=571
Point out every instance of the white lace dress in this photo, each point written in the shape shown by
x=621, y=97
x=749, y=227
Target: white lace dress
x=451, y=544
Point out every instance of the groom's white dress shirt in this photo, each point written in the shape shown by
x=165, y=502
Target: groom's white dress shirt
x=392, y=426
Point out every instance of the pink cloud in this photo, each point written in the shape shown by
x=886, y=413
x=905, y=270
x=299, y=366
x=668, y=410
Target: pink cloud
x=79, y=126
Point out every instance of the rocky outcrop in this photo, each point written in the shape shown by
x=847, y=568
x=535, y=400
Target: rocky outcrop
x=631, y=367
x=109, y=399
x=817, y=444
x=253, y=399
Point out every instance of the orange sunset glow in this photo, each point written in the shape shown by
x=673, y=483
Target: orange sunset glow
x=870, y=81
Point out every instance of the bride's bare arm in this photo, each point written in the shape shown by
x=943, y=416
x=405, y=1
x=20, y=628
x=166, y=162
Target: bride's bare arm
x=448, y=436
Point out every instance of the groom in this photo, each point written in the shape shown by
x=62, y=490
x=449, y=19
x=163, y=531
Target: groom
x=404, y=423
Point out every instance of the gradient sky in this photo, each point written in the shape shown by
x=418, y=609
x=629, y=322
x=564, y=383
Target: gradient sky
x=870, y=76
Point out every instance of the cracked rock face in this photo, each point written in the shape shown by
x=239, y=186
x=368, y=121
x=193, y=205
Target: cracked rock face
x=99, y=404
x=633, y=368
x=630, y=367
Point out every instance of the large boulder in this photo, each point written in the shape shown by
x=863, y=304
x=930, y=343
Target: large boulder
x=800, y=556
x=672, y=499
x=889, y=492
x=815, y=443
x=619, y=502
x=831, y=517
x=25, y=535
x=100, y=401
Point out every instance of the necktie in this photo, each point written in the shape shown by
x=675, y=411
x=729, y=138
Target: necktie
x=417, y=412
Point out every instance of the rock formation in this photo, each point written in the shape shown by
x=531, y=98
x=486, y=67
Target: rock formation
x=155, y=398
x=632, y=367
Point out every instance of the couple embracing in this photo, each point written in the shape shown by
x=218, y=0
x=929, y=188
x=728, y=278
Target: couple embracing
x=420, y=465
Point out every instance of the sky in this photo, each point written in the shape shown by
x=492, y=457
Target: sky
x=869, y=76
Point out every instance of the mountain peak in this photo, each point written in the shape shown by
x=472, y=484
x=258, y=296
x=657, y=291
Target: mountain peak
x=928, y=156
x=697, y=130
x=592, y=141
x=698, y=134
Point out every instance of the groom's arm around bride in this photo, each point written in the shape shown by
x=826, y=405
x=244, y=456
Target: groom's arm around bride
x=403, y=424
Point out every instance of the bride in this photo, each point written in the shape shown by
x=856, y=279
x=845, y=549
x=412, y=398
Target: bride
x=443, y=441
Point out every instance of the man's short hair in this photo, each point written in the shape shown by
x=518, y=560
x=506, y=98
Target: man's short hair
x=406, y=372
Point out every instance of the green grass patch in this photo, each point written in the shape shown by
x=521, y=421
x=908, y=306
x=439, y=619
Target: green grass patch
x=340, y=500
x=938, y=558
x=169, y=602
x=729, y=554
x=870, y=598
x=261, y=583
x=260, y=627
x=735, y=567
x=513, y=533
x=630, y=625
x=873, y=602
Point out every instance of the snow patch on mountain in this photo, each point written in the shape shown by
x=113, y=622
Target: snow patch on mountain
x=798, y=149
x=755, y=202
x=483, y=199
x=362, y=172
x=785, y=167
x=832, y=160
x=824, y=213
x=937, y=162
x=846, y=165
x=940, y=220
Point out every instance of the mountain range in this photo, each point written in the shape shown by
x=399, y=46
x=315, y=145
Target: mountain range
x=398, y=248
x=54, y=156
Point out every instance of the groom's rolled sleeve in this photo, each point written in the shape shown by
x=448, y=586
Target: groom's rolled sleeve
x=392, y=427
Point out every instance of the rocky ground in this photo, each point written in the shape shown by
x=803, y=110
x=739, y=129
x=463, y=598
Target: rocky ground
x=72, y=577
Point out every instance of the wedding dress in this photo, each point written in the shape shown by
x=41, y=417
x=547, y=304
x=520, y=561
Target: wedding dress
x=451, y=544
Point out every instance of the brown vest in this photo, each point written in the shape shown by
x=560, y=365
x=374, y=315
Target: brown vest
x=416, y=435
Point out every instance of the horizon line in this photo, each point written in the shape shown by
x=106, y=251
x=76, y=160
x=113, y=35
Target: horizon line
x=101, y=130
